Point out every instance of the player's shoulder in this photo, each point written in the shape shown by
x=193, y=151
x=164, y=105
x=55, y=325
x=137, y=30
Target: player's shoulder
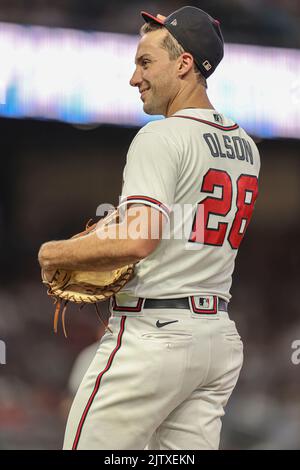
x=158, y=133
x=167, y=131
x=189, y=121
x=159, y=127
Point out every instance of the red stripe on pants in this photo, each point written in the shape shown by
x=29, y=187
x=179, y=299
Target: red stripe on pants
x=97, y=384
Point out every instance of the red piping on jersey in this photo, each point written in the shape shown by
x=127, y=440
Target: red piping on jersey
x=118, y=308
x=97, y=384
x=209, y=123
x=148, y=199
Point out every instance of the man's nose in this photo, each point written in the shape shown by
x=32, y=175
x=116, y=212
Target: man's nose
x=136, y=78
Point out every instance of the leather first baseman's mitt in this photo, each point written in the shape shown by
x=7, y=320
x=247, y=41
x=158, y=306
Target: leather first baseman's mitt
x=86, y=287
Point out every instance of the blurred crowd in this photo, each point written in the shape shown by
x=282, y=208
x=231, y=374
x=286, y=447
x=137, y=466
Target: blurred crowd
x=269, y=22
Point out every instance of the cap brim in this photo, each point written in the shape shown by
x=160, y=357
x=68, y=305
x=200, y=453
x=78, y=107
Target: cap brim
x=147, y=17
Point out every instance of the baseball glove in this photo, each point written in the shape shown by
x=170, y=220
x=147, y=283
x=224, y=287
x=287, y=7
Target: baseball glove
x=86, y=287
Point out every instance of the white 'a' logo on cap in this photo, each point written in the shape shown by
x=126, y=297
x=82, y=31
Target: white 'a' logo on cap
x=174, y=22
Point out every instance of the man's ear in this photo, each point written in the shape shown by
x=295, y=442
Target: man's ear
x=186, y=63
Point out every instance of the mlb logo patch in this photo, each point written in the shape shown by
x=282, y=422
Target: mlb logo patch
x=218, y=118
x=204, y=304
x=207, y=65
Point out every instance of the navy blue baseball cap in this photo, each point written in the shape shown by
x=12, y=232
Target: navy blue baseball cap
x=198, y=33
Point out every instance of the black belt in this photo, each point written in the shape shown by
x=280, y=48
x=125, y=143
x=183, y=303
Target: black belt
x=179, y=303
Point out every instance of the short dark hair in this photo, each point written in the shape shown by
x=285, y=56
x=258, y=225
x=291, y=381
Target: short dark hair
x=170, y=44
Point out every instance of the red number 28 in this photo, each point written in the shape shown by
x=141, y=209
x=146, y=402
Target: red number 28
x=247, y=191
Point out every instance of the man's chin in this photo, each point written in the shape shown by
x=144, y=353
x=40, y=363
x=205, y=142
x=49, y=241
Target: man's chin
x=147, y=109
x=151, y=110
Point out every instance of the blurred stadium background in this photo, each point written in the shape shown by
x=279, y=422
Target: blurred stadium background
x=62, y=155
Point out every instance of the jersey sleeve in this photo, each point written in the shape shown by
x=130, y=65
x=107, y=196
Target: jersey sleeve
x=151, y=172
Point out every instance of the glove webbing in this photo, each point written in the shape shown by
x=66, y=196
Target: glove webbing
x=61, y=306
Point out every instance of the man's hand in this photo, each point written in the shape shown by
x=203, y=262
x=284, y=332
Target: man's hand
x=48, y=275
x=48, y=270
x=43, y=256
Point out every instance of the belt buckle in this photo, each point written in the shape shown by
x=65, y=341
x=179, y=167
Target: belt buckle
x=204, y=304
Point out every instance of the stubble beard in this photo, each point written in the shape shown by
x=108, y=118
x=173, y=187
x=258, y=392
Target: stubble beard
x=154, y=106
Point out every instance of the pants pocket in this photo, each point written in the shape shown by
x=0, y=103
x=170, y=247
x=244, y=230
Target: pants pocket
x=232, y=337
x=230, y=333
x=167, y=336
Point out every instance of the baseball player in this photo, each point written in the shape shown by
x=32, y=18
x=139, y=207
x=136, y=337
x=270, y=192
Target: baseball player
x=164, y=373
